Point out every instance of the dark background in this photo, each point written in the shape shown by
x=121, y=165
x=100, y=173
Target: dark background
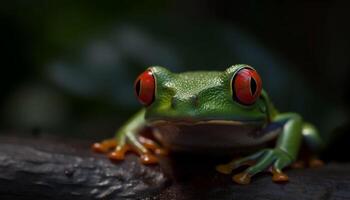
x=67, y=67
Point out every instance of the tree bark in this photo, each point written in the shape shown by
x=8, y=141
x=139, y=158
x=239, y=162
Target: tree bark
x=46, y=169
x=57, y=169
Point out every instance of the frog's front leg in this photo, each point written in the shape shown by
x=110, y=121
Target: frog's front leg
x=274, y=160
x=127, y=139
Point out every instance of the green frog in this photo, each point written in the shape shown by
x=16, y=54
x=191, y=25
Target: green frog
x=212, y=112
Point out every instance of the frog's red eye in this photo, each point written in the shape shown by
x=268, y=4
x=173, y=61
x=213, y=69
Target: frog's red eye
x=246, y=86
x=145, y=87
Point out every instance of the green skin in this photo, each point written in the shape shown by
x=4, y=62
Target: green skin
x=213, y=89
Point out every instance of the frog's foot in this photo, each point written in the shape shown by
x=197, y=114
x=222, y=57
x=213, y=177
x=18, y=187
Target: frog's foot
x=234, y=164
x=273, y=160
x=150, y=144
x=278, y=175
x=142, y=146
x=315, y=163
x=312, y=162
x=104, y=146
x=299, y=164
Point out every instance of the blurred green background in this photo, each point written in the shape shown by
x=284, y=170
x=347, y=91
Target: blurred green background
x=68, y=66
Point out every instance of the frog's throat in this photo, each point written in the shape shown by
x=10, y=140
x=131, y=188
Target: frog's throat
x=209, y=135
x=204, y=122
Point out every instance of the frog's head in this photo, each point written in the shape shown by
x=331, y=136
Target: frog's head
x=204, y=110
x=232, y=95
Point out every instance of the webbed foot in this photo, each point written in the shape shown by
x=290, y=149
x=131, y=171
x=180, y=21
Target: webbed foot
x=315, y=163
x=116, y=149
x=272, y=160
x=310, y=162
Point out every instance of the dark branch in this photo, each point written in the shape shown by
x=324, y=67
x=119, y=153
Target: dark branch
x=52, y=169
x=37, y=169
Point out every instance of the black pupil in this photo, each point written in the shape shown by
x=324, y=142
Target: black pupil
x=252, y=85
x=138, y=86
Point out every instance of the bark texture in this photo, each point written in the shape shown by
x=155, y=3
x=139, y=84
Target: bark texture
x=56, y=169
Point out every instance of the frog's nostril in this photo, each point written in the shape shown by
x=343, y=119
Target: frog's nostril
x=190, y=101
x=194, y=100
x=174, y=102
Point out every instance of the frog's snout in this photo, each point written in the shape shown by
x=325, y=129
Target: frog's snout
x=188, y=101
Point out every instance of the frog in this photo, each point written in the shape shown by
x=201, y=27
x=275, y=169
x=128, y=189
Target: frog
x=216, y=112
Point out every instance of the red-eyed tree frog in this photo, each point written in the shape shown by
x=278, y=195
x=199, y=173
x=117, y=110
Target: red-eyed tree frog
x=212, y=111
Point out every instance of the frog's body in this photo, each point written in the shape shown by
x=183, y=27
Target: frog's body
x=213, y=111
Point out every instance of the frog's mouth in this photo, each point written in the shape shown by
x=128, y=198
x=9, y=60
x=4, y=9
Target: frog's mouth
x=210, y=135
x=189, y=122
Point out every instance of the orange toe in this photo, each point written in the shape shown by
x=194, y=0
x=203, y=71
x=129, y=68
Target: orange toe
x=97, y=147
x=280, y=177
x=242, y=178
x=298, y=164
x=314, y=163
x=148, y=158
x=160, y=151
x=115, y=155
x=119, y=153
x=224, y=169
x=104, y=146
